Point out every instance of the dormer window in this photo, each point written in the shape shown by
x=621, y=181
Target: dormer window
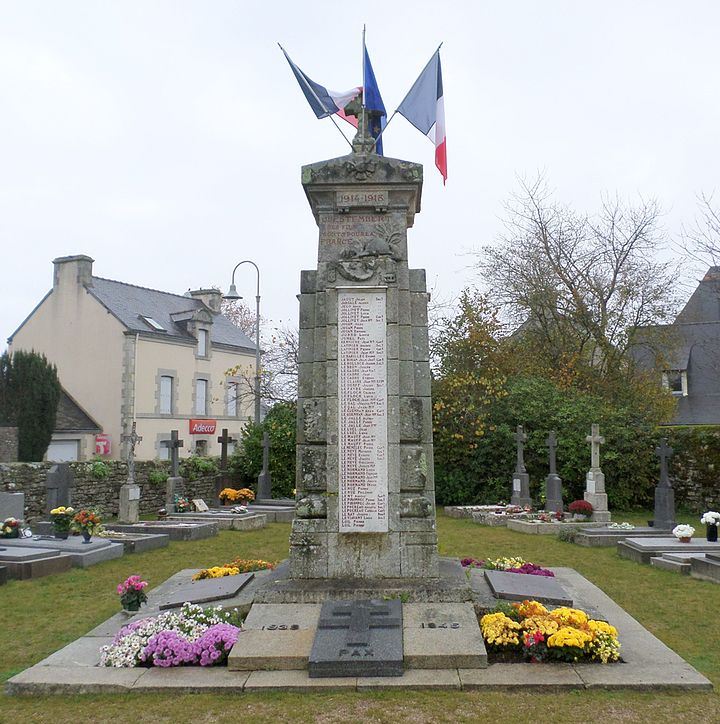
x=152, y=323
x=202, y=343
x=676, y=381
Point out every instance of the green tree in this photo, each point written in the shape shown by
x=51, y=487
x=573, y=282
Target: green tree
x=29, y=396
x=246, y=462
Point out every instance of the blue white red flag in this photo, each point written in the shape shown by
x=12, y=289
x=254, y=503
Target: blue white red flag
x=323, y=101
x=424, y=107
x=373, y=101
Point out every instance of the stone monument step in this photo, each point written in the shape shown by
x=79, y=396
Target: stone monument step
x=641, y=550
x=707, y=569
x=225, y=520
x=666, y=564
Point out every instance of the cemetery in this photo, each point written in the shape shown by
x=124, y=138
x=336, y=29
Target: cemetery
x=485, y=524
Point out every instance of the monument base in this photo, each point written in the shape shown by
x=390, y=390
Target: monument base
x=599, y=502
x=553, y=493
x=129, y=510
x=521, y=490
x=664, y=516
x=452, y=586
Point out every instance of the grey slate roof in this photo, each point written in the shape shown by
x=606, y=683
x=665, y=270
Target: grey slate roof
x=128, y=302
x=70, y=417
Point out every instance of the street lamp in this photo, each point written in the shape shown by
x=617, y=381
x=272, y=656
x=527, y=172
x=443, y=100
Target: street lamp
x=233, y=295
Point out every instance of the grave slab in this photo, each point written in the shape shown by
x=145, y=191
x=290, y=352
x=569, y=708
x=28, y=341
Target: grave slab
x=412, y=679
x=358, y=638
x=276, y=637
x=536, y=527
x=82, y=652
x=604, y=536
x=295, y=681
x=24, y=563
x=706, y=569
x=666, y=564
x=442, y=636
x=641, y=550
x=274, y=513
x=82, y=554
x=177, y=530
x=211, y=589
x=138, y=542
x=192, y=680
x=519, y=587
x=12, y=505
x=545, y=677
x=44, y=680
x=224, y=520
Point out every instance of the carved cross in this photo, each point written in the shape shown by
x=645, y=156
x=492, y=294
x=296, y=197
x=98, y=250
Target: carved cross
x=224, y=441
x=520, y=439
x=359, y=617
x=551, y=443
x=174, y=445
x=132, y=439
x=664, y=452
x=595, y=439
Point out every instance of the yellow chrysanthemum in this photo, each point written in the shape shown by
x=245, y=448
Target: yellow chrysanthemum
x=530, y=608
x=568, y=636
x=544, y=624
x=500, y=630
x=570, y=617
x=602, y=627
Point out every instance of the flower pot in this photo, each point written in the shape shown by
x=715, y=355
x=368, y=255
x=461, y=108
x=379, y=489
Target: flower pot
x=132, y=607
x=685, y=539
x=86, y=536
x=712, y=534
x=61, y=534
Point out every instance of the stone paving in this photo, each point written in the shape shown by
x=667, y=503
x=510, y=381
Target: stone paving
x=648, y=663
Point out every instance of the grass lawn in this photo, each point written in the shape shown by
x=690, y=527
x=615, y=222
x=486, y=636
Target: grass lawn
x=38, y=617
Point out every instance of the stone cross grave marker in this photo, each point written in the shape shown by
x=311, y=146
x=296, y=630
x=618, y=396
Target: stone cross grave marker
x=223, y=480
x=129, y=506
x=58, y=486
x=595, y=480
x=664, y=517
x=521, y=479
x=358, y=638
x=264, y=480
x=173, y=444
x=553, y=482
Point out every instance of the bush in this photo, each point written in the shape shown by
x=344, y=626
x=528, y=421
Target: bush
x=157, y=476
x=196, y=467
x=99, y=469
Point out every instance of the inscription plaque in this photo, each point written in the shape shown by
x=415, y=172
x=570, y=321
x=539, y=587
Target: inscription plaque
x=362, y=406
x=366, y=197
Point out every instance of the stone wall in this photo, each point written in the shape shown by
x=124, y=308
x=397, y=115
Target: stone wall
x=88, y=491
x=8, y=444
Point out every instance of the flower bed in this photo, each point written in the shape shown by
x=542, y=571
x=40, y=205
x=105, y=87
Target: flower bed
x=189, y=637
x=528, y=631
x=509, y=565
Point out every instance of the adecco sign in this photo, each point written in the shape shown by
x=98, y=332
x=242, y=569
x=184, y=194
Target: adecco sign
x=203, y=427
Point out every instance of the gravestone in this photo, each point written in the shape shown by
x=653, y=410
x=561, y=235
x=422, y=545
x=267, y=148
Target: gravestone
x=174, y=482
x=58, y=487
x=264, y=487
x=595, y=480
x=12, y=505
x=206, y=591
x=520, y=480
x=129, y=509
x=553, y=482
x=365, y=487
x=223, y=480
x=521, y=587
x=664, y=517
x=358, y=638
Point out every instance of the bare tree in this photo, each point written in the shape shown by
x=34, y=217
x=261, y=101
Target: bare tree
x=579, y=285
x=702, y=241
x=240, y=315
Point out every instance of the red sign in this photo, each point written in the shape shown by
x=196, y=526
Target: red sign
x=203, y=427
x=102, y=444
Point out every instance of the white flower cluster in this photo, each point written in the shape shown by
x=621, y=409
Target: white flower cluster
x=191, y=621
x=621, y=526
x=710, y=518
x=683, y=531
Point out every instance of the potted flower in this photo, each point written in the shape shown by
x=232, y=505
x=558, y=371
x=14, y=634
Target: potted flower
x=227, y=495
x=88, y=523
x=683, y=532
x=245, y=496
x=580, y=509
x=182, y=504
x=10, y=528
x=132, y=593
x=711, y=519
x=61, y=519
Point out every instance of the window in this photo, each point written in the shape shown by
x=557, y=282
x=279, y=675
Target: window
x=201, y=447
x=153, y=324
x=201, y=397
x=164, y=450
x=166, y=395
x=232, y=395
x=676, y=382
x=202, y=340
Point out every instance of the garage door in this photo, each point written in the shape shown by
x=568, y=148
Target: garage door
x=61, y=451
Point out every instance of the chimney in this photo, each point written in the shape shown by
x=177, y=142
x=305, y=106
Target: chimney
x=210, y=297
x=73, y=270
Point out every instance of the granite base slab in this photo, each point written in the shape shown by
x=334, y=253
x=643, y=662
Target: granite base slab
x=665, y=564
x=210, y=590
x=603, y=536
x=177, y=530
x=519, y=587
x=138, y=542
x=82, y=554
x=274, y=513
x=536, y=527
x=641, y=550
x=224, y=520
x=26, y=563
x=706, y=568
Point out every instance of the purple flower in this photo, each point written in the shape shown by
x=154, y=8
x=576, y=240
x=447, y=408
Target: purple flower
x=532, y=570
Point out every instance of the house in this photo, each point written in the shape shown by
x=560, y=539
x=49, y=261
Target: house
x=126, y=353
x=686, y=354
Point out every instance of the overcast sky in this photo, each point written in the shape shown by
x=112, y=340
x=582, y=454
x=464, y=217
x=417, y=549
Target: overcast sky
x=165, y=139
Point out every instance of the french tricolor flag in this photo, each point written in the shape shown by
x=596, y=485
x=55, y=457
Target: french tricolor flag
x=424, y=107
x=323, y=101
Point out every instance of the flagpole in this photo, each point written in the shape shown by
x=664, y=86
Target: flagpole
x=363, y=111
x=406, y=95
x=315, y=95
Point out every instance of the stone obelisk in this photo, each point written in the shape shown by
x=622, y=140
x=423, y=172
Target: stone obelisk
x=365, y=488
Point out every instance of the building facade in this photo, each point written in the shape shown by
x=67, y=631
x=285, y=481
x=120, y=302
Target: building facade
x=126, y=353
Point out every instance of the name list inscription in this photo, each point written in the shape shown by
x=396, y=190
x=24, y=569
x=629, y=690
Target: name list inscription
x=362, y=406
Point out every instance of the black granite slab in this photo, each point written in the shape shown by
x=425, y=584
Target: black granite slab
x=521, y=587
x=358, y=638
x=211, y=589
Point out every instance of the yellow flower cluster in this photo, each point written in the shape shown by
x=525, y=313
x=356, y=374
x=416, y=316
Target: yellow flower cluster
x=505, y=563
x=543, y=624
x=62, y=510
x=216, y=572
x=573, y=617
x=530, y=608
x=500, y=630
x=569, y=636
x=602, y=627
x=604, y=646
